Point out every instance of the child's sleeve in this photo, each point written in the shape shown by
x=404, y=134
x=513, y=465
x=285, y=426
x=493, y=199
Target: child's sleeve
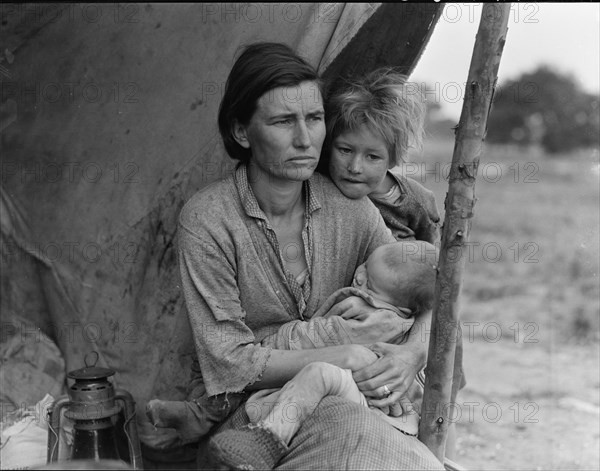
x=410, y=211
x=304, y=335
x=428, y=226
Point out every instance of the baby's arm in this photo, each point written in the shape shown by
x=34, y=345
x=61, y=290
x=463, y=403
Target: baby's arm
x=348, y=320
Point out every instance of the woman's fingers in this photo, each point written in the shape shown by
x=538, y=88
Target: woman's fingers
x=391, y=372
x=386, y=401
x=364, y=375
x=395, y=410
x=374, y=387
x=376, y=375
x=381, y=392
x=398, y=404
x=406, y=405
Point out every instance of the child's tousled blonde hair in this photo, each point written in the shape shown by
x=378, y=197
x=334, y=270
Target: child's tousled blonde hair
x=387, y=103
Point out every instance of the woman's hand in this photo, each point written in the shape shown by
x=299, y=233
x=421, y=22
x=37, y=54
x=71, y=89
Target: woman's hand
x=360, y=357
x=395, y=368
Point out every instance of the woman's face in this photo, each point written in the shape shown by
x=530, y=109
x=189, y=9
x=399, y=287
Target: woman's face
x=359, y=161
x=286, y=132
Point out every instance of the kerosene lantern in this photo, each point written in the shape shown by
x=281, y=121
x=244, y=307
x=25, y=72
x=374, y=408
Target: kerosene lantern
x=96, y=408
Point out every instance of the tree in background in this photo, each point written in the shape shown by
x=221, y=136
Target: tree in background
x=546, y=108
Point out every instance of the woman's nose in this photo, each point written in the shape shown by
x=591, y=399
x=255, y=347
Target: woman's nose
x=355, y=165
x=302, y=136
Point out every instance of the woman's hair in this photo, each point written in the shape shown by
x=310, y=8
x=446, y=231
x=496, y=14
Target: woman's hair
x=261, y=67
x=386, y=103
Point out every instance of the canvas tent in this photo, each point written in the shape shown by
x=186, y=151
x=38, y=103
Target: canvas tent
x=108, y=127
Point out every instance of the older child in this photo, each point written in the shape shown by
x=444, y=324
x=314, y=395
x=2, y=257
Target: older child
x=371, y=124
x=399, y=277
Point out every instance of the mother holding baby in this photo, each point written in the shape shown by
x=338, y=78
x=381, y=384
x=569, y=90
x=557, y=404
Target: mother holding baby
x=267, y=246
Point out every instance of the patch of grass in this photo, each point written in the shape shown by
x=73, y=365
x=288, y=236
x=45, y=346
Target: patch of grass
x=534, y=238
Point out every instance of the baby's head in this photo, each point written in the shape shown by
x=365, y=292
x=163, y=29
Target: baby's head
x=402, y=274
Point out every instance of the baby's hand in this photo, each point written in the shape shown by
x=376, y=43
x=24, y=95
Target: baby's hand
x=353, y=307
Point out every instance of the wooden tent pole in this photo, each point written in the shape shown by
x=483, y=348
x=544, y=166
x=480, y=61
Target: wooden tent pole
x=460, y=200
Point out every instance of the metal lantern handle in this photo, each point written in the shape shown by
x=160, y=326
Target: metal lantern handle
x=54, y=414
x=130, y=428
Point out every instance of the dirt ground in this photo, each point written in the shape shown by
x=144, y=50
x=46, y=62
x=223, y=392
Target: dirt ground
x=529, y=407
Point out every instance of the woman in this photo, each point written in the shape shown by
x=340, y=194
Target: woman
x=268, y=245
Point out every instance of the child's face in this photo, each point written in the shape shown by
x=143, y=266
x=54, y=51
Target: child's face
x=359, y=161
x=374, y=278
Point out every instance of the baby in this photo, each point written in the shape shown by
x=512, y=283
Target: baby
x=400, y=277
x=394, y=282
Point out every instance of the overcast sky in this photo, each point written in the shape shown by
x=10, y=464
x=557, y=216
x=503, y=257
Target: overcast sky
x=565, y=36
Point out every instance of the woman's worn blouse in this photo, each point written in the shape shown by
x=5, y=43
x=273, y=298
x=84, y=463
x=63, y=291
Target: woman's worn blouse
x=236, y=288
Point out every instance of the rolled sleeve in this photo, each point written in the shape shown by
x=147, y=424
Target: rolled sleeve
x=430, y=227
x=229, y=359
x=304, y=335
